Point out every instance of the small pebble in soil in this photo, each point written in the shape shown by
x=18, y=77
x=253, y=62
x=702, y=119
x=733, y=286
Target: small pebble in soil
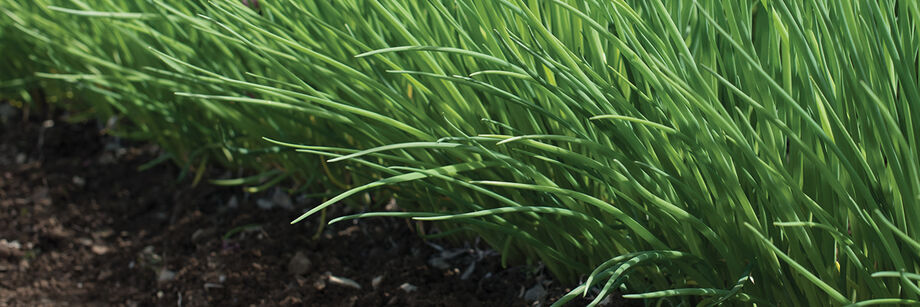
x=319, y=284
x=299, y=264
x=10, y=244
x=439, y=263
x=342, y=281
x=376, y=281
x=79, y=181
x=103, y=233
x=10, y=249
x=535, y=293
x=165, y=275
x=85, y=241
x=409, y=288
x=99, y=249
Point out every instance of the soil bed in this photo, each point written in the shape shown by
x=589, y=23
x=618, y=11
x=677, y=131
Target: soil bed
x=80, y=225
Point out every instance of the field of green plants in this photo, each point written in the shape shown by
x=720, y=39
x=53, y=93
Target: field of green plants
x=683, y=152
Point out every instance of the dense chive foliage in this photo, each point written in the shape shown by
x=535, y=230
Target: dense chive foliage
x=682, y=151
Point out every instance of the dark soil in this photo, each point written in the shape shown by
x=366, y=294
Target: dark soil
x=80, y=225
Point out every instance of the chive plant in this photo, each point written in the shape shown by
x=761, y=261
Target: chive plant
x=739, y=152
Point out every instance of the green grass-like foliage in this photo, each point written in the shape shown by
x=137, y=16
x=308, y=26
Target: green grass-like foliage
x=727, y=151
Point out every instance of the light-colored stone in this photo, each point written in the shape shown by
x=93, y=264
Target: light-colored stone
x=535, y=293
x=165, y=275
x=409, y=288
x=299, y=264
